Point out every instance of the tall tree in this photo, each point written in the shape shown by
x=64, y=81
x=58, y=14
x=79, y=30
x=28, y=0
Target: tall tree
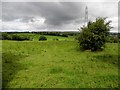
x=93, y=36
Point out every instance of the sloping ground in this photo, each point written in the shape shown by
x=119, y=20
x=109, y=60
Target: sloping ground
x=58, y=64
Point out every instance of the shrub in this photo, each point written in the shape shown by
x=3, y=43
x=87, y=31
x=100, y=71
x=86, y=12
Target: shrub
x=42, y=38
x=56, y=39
x=93, y=36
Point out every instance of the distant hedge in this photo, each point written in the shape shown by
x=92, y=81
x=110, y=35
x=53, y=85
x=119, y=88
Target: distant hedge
x=20, y=37
x=64, y=35
x=6, y=36
x=113, y=39
x=42, y=38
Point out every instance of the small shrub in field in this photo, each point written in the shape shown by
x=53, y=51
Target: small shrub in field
x=42, y=38
x=56, y=39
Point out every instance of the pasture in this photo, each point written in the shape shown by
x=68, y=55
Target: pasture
x=58, y=64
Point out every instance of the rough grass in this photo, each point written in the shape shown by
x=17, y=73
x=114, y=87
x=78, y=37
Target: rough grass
x=58, y=64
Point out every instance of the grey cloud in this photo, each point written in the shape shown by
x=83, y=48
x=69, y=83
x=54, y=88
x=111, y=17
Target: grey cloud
x=15, y=10
x=57, y=14
x=61, y=14
x=0, y=10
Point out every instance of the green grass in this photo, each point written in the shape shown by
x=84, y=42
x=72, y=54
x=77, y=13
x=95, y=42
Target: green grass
x=58, y=64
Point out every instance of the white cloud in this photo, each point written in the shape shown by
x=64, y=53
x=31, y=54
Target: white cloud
x=17, y=24
x=114, y=24
x=0, y=24
x=114, y=21
x=14, y=25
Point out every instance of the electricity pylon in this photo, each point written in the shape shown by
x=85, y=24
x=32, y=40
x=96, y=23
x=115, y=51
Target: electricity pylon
x=86, y=16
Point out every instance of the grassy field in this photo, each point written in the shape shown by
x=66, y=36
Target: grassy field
x=58, y=64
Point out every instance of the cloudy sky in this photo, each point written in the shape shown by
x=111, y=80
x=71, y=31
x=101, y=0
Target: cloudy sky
x=47, y=16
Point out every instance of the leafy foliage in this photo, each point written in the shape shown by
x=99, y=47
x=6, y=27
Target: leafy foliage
x=93, y=36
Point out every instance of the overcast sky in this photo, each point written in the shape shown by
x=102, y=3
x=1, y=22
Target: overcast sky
x=37, y=16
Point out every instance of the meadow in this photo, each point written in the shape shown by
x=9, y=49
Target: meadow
x=57, y=64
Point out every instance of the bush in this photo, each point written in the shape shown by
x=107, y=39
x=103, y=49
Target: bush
x=93, y=36
x=42, y=38
x=55, y=39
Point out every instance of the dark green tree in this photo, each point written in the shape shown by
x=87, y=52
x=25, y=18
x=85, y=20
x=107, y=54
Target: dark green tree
x=93, y=36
